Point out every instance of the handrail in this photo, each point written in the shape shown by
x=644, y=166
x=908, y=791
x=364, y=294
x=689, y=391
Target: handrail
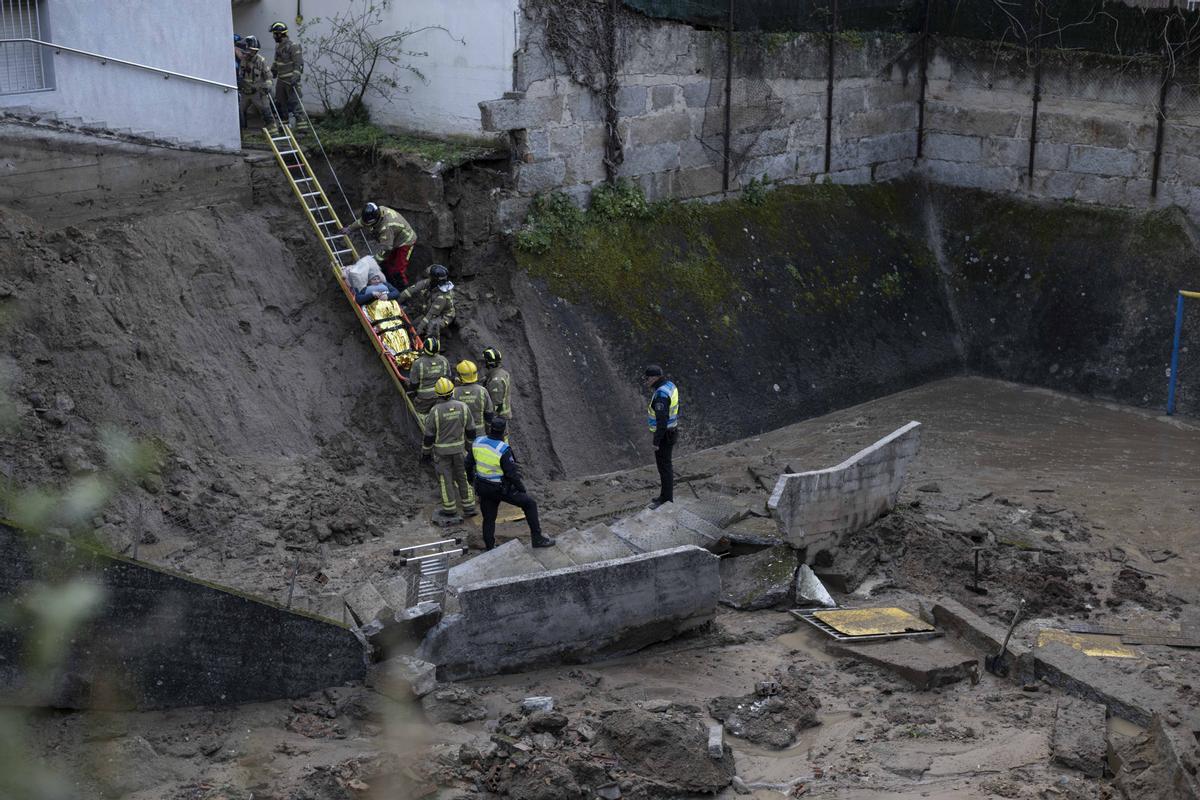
x=166, y=73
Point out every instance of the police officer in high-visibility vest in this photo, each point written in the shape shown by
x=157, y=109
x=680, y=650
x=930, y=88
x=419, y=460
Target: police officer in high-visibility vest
x=662, y=416
x=448, y=429
x=498, y=480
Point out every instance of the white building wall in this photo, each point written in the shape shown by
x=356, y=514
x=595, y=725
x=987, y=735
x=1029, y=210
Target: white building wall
x=458, y=75
x=194, y=37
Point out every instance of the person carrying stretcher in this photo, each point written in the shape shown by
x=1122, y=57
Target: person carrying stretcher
x=394, y=235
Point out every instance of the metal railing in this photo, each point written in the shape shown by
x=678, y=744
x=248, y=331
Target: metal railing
x=103, y=59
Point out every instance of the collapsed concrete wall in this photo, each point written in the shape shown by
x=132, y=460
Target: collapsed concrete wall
x=159, y=640
x=814, y=510
x=575, y=614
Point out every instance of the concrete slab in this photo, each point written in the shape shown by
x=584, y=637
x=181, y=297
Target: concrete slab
x=510, y=558
x=552, y=557
x=665, y=527
x=720, y=512
x=1080, y=736
x=596, y=543
x=926, y=664
x=575, y=614
x=980, y=635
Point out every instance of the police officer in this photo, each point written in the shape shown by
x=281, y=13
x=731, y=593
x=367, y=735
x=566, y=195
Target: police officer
x=427, y=370
x=475, y=396
x=254, y=82
x=448, y=429
x=498, y=480
x=395, y=236
x=498, y=383
x=662, y=416
x=287, y=68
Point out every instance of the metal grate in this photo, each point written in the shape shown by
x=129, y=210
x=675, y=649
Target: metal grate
x=807, y=615
x=22, y=64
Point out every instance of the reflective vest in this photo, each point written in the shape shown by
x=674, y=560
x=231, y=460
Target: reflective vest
x=668, y=389
x=487, y=454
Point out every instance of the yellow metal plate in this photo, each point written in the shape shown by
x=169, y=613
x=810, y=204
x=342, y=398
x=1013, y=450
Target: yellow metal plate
x=506, y=513
x=871, y=621
x=1091, y=644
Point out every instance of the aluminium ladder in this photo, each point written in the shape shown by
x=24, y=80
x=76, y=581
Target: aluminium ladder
x=338, y=246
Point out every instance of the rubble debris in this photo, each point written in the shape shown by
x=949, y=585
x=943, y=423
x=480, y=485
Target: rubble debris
x=393, y=632
x=1162, y=764
x=925, y=664
x=845, y=570
x=456, y=704
x=716, y=741
x=1079, y=740
x=364, y=603
x=774, y=714
x=758, y=580
x=667, y=750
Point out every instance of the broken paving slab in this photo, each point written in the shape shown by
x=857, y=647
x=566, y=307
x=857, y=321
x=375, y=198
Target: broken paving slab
x=718, y=511
x=665, y=527
x=759, y=580
x=926, y=664
x=1081, y=735
x=809, y=590
x=596, y=543
x=575, y=614
x=814, y=510
x=980, y=635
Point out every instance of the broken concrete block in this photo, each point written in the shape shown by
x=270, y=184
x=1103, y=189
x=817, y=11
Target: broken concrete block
x=1080, y=736
x=981, y=635
x=589, y=612
x=364, y=603
x=716, y=741
x=509, y=559
x=816, y=509
x=531, y=704
x=405, y=678
x=925, y=664
x=392, y=633
x=758, y=580
x=810, y=591
x=774, y=714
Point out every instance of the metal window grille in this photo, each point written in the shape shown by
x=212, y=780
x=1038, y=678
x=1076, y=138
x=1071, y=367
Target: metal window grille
x=22, y=65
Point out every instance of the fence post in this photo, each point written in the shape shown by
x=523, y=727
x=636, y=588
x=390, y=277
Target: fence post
x=728, y=98
x=1036, y=15
x=924, y=80
x=833, y=31
x=1175, y=355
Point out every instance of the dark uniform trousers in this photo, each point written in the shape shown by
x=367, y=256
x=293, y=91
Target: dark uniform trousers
x=666, y=474
x=491, y=495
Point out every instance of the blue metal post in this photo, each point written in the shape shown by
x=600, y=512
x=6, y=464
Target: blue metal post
x=1175, y=355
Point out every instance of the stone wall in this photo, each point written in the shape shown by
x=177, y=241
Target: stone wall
x=160, y=640
x=1095, y=137
x=671, y=109
x=814, y=510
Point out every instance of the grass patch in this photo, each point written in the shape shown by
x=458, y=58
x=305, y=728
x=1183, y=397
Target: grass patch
x=368, y=139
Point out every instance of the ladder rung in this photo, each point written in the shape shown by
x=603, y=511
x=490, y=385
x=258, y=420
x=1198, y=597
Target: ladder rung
x=288, y=152
x=340, y=252
x=303, y=180
x=310, y=194
x=328, y=222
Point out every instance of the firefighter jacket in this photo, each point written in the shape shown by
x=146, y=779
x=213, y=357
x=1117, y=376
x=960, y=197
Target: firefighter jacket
x=425, y=373
x=289, y=61
x=253, y=75
x=448, y=428
x=478, y=400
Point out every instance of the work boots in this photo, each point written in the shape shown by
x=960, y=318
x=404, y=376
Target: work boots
x=543, y=541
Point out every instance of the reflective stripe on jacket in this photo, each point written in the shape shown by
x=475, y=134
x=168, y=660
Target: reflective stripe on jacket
x=447, y=427
x=487, y=453
x=425, y=373
x=289, y=61
x=668, y=390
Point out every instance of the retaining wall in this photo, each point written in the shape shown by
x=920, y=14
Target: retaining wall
x=575, y=614
x=159, y=640
x=815, y=509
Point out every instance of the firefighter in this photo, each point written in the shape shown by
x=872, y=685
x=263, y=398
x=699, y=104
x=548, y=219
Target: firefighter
x=662, y=415
x=395, y=236
x=498, y=383
x=254, y=82
x=430, y=367
x=448, y=428
x=475, y=396
x=287, y=68
x=436, y=296
x=498, y=480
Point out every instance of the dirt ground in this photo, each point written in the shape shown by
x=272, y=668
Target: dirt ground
x=1086, y=510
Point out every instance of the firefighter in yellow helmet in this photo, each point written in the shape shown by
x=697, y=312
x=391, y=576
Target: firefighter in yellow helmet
x=449, y=430
x=473, y=394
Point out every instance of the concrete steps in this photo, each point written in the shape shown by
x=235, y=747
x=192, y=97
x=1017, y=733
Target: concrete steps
x=647, y=531
x=92, y=127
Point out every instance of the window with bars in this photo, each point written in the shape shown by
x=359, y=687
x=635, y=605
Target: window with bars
x=24, y=66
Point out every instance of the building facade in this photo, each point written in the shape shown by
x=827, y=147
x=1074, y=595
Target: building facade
x=465, y=55
x=190, y=37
